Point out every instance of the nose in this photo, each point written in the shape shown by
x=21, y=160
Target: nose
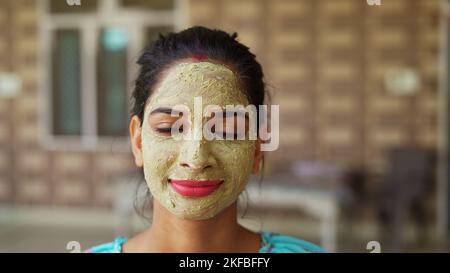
x=196, y=156
x=195, y=168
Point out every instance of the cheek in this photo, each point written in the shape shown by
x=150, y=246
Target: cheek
x=159, y=156
x=237, y=159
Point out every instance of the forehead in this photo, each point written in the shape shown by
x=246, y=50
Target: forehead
x=214, y=83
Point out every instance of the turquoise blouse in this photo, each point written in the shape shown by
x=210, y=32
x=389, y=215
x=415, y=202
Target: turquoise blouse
x=270, y=243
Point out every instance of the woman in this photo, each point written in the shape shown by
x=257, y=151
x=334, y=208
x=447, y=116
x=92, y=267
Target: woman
x=196, y=182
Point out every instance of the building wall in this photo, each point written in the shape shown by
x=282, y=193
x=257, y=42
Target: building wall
x=324, y=62
x=323, y=59
x=29, y=173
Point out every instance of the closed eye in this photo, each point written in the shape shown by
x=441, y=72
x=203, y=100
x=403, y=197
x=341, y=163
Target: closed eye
x=166, y=130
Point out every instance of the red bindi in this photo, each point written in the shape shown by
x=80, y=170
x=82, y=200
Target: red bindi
x=198, y=57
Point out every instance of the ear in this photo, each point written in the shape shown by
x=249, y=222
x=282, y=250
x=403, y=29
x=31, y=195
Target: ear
x=257, y=158
x=136, y=140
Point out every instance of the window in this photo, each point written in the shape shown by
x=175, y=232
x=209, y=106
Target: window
x=90, y=53
x=66, y=82
x=150, y=5
x=111, y=82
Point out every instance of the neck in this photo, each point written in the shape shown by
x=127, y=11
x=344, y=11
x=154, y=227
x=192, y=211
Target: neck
x=221, y=233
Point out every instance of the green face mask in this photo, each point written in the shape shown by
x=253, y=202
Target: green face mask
x=165, y=156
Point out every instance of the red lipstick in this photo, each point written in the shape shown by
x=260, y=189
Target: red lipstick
x=195, y=188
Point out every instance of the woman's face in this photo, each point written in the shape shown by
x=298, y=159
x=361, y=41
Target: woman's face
x=196, y=178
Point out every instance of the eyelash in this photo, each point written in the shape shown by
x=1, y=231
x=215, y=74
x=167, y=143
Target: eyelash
x=166, y=130
x=224, y=135
x=163, y=130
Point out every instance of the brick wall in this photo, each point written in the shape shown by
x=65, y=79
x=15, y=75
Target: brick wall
x=30, y=174
x=324, y=61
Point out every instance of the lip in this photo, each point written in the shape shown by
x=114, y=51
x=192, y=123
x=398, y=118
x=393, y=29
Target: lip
x=195, y=188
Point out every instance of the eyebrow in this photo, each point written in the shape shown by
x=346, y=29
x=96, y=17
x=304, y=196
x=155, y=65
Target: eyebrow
x=225, y=114
x=166, y=110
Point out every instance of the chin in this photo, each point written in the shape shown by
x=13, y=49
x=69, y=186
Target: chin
x=203, y=214
x=195, y=215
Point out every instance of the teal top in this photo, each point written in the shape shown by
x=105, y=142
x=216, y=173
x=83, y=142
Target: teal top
x=270, y=243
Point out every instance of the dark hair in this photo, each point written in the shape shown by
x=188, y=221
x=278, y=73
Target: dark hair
x=197, y=42
x=216, y=45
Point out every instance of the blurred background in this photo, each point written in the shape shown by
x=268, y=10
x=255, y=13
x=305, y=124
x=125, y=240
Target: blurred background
x=363, y=94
